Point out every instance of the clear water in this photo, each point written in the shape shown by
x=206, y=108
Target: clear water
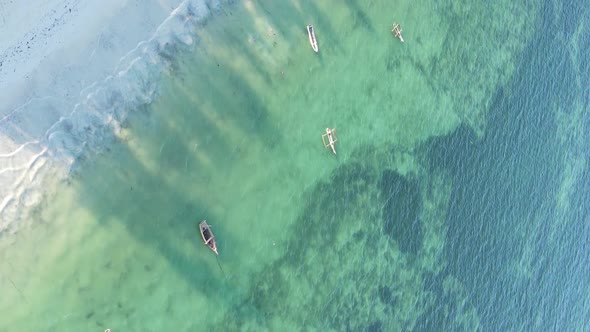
x=457, y=199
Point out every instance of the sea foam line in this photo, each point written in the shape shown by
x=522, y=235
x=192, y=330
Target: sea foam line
x=19, y=149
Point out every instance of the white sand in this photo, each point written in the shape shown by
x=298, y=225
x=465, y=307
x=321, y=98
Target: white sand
x=53, y=54
x=57, y=47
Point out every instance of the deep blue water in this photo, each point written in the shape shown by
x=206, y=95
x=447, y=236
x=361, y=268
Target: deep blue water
x=504, y=197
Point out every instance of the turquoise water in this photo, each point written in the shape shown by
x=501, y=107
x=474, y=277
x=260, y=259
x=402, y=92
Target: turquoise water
x=457, y=199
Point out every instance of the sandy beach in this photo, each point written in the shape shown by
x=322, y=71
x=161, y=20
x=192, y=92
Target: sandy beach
x=56, y=48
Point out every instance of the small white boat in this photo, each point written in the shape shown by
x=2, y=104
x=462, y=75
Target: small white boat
x=329, y=139
x=312, y=40
x=397, y=31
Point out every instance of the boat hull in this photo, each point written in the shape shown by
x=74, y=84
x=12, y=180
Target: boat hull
x=312, y=39
x=207, y=236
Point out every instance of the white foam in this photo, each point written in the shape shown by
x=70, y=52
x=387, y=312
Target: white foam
x=75, y=102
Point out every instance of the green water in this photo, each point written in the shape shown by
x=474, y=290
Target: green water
x=234, y=137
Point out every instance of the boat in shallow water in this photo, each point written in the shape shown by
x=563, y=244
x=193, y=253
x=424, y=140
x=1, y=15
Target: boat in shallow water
x=397, y=31
x=312, y=40
x=207, y=235
x=329, y=139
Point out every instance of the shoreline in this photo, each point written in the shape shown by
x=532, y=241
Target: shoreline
x=58, y=85
x=55, y=58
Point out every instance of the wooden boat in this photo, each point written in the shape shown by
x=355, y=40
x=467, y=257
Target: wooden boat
x=207, y=235
x=329, y=139
x=312, y=40
x=397, y=31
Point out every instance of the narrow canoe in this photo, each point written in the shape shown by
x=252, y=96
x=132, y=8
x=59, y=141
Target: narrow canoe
x=207, y=235
x=312, y=40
